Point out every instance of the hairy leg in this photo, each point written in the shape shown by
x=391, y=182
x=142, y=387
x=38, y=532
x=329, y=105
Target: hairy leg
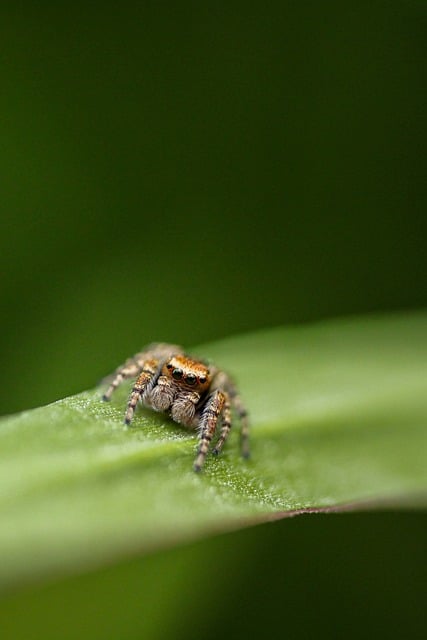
x=209, y=420
x=226, y=424
x=133, y=366
x=223, y=381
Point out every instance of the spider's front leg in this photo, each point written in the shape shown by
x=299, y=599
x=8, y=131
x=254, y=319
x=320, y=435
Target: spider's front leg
x=208, y=422
x=133, y=366
x=147, y=375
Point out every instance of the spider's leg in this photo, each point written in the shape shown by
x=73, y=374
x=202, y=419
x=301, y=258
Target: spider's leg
x=133, y=366
x=228, y=385
x=208, y=422
x=129, y=369
x=148, y=373
x=226, y=424
x=244, y=422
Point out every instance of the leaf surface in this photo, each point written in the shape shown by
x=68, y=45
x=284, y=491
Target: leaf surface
x=339, y=417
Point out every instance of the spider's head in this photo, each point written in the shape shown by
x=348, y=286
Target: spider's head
x=188, y=372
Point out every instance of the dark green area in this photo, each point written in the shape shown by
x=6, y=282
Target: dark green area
x=184, y=171
x=312, y=576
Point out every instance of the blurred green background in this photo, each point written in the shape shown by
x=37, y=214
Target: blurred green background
x=184, y=171
x=333, y=576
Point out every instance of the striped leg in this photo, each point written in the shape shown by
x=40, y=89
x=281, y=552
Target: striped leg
x=226, y=425
x=129, y=370
x=209, y=421
x=145, y=377
x=244, y=422
x=237, y=403
x=223, y=381
x=133, y=366
x=244, y=436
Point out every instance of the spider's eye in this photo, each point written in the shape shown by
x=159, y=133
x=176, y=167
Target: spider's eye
x=202, y=379
x=169, y=366
x=190, y=378
x=177, y=374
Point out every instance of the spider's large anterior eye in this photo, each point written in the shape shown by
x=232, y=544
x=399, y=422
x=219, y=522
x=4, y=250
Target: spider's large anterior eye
x=190, y=378
x=177, y=374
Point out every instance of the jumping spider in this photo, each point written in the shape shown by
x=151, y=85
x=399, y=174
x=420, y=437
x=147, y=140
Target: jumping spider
x=185, y=388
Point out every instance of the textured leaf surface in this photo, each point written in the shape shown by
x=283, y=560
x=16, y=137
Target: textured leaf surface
x=339, y=415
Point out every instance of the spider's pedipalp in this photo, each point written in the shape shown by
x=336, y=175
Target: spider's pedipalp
x=183, y=409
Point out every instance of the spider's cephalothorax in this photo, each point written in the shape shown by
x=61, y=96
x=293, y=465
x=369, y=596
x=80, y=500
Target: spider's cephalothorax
x=191, y=392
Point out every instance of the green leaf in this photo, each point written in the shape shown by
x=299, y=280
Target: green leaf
x=339, y=417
